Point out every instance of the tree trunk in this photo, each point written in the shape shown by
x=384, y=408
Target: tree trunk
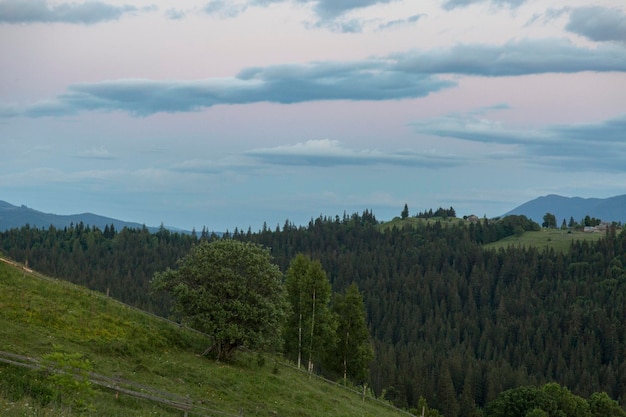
x=345, y=359
x=300, y=340
x=312, y=330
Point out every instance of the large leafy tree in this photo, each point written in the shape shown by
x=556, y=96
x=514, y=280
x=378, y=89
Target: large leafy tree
x=519, y=401
x=549, y=221
x=602, y=405
x=230, y=290
x=549, y=400
x=310, y=328
x=354, y=350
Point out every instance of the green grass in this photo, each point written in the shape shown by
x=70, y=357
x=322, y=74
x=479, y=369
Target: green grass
x=559, y=240
x=39, y=316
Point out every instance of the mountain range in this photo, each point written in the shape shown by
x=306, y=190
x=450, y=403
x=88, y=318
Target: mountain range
x=17, y=216
x=612, y=209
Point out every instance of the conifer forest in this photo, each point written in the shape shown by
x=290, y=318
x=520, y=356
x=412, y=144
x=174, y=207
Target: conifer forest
x=450, y=321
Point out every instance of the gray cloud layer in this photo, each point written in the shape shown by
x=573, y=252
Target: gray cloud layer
x=332, y=9
x=453, y=4
x=329, y=12
x=327, y=9
x=367, y=80
x=224, y=8
x=515, y=58
x=598, y=23
x=598, y=146
x=33, y=11
x=329, y=153
x=400, y=22
x=400, y=76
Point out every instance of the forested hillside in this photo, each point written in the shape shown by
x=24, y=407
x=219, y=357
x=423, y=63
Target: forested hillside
x=450, y=321
x=118, y=263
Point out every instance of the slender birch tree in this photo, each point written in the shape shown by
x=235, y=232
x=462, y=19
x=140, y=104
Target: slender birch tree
x=311, y=327
x=354, y=350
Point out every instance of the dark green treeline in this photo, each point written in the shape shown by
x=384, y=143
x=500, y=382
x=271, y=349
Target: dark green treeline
x=451, y=322
x=120, y=263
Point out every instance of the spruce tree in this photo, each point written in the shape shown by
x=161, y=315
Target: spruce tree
x=405, y=211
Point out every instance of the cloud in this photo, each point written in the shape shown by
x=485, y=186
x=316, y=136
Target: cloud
x=550, y=14
x=40, y=176
x=607, y=133
x=401, y=22
x=96, y=153
x=400, y=76
x=598, y=23
x=175, y=14
x=330, y=13
x=367, y=80
x=330, y=9
x=229, y=164
x=484, y=110
x=224, y=8
x=39, y=11
x=198, y=167
x=329, y=153
x=598, y=146
x=342, y=26
x=471, y=128
x=515, y=58
x=453, y=4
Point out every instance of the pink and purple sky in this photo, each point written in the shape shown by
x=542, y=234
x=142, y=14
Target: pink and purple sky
x=229, y=114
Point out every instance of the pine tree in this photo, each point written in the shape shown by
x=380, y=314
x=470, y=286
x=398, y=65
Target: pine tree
x=405, y=211
x=446, y=396
x=572, y=222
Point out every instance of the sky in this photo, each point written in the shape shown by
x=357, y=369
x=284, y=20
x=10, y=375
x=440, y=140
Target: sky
x=231, y=114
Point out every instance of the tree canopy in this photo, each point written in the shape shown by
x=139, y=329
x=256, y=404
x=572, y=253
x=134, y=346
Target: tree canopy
x=551, y=400
x=354, y=350
x=549, y=221
x=230, y=290
x=310, y=329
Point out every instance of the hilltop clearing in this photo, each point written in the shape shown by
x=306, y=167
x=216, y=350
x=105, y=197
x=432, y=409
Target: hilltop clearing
x=560, y=240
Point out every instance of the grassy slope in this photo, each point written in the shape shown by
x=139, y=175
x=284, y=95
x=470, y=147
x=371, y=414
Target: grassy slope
x=37, y=313
x=559, y=240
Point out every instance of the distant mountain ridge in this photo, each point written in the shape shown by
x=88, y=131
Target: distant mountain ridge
x=15, y=217
x=612, y=209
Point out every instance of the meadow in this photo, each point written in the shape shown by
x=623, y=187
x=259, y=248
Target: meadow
x=124, y=352
x=557, y=239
